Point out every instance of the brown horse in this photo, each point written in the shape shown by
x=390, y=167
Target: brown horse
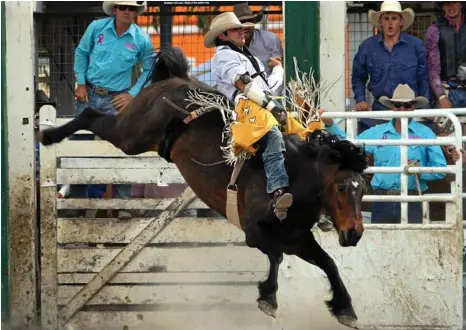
x=324, y=172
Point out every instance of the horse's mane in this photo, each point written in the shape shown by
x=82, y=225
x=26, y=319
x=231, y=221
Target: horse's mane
x=327, y=148
x=330, y=149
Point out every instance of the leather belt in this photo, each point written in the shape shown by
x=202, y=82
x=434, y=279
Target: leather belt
x=393, y=192
x=100, y=91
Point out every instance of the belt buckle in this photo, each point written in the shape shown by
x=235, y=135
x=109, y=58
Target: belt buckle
x=99, y=91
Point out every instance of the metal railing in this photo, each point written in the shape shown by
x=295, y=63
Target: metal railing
x=453, y=199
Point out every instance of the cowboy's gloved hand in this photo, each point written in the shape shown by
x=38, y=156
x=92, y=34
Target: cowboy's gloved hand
x=280, y=114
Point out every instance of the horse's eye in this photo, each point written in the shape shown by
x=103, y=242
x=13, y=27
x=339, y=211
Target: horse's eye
x=341, y=188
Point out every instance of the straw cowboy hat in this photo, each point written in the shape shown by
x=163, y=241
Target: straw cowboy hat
x=403, y=93
x=392, y=7
x=220, y=24
x=108, y=6
x=244, y=13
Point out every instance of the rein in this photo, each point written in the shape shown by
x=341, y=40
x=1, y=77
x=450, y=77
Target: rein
x=166, y=146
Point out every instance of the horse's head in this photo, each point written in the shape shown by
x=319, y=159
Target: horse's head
x=341, y=164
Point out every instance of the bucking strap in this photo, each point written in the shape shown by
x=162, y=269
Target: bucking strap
x=232, y=196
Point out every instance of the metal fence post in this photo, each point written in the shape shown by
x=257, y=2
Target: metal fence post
x=5, y=197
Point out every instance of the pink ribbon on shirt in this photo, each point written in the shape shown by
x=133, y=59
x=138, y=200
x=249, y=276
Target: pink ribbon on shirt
x=101, y=37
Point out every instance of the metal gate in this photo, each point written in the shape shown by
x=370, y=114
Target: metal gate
x=408, y=275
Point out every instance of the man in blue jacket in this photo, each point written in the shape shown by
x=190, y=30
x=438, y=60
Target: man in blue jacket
x=104, y=60
x=385, y=155
x=390, y=58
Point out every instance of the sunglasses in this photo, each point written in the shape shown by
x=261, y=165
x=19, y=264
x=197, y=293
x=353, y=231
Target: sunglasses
x=130, y=8
x=403, y=104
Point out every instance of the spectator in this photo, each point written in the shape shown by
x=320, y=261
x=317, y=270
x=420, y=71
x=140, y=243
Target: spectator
x=262, y=44
x=105, y=57
x=403, y=99
x=455, y=155
x=446, y=47
x=390, y=58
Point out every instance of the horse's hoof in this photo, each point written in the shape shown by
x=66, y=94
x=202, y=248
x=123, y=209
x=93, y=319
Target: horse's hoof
x=349, y=321
x=45, y=138
x=325, y=224
x=267, y=308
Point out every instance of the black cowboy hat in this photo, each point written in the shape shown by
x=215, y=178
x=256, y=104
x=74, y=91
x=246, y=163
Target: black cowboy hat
x=244, y=13
x=439, y=4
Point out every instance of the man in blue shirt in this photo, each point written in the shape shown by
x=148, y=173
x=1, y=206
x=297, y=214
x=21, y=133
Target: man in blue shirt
x=390, y=58
x=104, y=60
x=384, y=155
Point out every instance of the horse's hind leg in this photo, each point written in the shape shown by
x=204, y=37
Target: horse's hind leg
x=340, y=306
x=267, y=301
x=83, y=121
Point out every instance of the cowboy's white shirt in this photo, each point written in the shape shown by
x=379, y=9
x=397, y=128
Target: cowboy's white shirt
x=227, y=63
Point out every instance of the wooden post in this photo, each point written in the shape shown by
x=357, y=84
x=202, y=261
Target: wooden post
x=5, y=197
x=48, y=225
x=22, y=226
x=332, y=52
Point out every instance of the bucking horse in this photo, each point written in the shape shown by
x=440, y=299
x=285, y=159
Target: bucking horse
x=324, y=173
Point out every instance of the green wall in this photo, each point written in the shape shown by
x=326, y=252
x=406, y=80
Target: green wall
x=5, y=189
x=302, y=36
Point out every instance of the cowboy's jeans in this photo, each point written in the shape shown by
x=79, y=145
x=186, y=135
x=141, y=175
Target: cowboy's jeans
x=102, y=104
x=457, y=98
x=390, y=212
x=274, y=160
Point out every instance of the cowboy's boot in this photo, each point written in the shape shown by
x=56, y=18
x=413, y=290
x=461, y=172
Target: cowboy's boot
x=282, y=200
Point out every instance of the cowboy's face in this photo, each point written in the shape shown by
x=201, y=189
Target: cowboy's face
x=236, y=36
x=391, y=23
x=404, y=106
x=452, y=9
x=125, y=14
x=248, y=34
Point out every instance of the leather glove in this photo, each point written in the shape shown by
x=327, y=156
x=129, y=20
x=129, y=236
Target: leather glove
x=280, y=114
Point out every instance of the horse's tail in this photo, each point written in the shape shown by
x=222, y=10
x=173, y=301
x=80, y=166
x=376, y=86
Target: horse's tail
x=170, y=62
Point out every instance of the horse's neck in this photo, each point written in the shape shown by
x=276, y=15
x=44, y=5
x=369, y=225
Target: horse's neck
x=303, y=171
x=203, y=139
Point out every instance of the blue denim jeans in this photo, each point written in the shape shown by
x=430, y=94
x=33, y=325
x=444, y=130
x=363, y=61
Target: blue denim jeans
x=274, y=160
x=390, y=212
x=457, y=98
x=102, y=104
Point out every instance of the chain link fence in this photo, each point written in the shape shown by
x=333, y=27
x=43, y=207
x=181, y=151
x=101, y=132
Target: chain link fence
x=59, y=32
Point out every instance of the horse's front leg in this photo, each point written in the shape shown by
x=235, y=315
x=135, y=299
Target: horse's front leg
x=267, y=301
x=340, y=306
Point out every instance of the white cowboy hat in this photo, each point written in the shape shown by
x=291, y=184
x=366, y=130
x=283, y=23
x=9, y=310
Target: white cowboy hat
x=392, y=7
x=403, y=93
x=108, y=6
x=220, y=24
